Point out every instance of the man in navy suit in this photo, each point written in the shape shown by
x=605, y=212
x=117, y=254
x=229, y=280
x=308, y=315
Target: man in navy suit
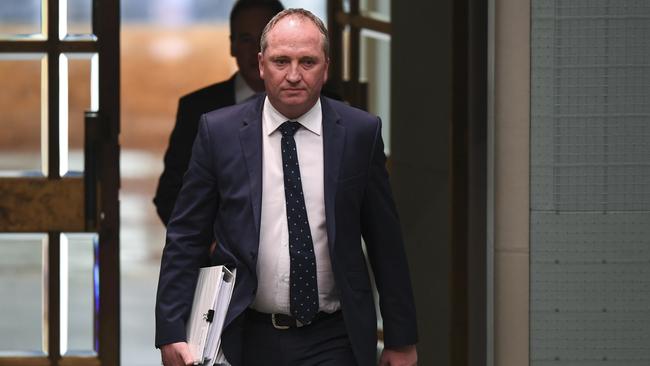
x=247, y=20
x=288, y=183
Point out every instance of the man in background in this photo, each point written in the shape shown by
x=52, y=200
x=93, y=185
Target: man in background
x=247, y=20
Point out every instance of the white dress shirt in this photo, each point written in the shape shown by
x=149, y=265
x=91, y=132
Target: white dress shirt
x=273, y=258
x=242, y=90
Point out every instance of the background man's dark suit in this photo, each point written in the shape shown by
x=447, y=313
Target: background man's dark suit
x=190, y=109
x=222, y=194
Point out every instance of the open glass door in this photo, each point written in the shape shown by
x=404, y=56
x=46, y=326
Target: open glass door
x=360, y=33
x=59, y=181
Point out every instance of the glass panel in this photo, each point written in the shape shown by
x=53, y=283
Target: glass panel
x=21, y=293
x=79, y=93
x=76, y=20
x=20, y=19
x=377, y=9
x=590, y=183
x=375, y=70
x=23, y=122
x=78, y=289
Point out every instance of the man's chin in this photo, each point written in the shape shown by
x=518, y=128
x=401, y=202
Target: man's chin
x=293, y=99
x=293, y=107
x=293, y=93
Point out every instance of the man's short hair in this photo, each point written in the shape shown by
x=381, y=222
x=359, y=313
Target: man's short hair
x=275, y=6
x=300, y=13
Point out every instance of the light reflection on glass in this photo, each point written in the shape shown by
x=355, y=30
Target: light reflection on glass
x=376, y=9
x=78, y=291
x=23, y=279
x=79, y=93
x=375, y=70
x=75, y=20
x=23, y=20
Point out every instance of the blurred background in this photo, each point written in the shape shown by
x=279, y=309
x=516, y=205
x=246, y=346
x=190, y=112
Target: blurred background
x=518, y=157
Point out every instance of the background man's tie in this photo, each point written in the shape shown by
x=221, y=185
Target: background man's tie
x=303, y=292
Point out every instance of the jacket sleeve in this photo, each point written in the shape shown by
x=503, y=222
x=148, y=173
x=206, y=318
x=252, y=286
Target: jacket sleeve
x=189, y=233
x=381, y=231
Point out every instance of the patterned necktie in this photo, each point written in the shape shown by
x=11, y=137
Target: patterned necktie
x=303, y=290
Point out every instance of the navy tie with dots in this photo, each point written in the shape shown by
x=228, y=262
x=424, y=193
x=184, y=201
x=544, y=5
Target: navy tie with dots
x=303, y=290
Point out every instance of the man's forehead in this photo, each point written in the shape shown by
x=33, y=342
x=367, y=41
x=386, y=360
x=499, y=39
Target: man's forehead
x=292, y=18
x=296, y=28
x=294, y=23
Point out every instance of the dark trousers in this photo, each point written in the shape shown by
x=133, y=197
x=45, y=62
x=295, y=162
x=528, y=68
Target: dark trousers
x=323, y=343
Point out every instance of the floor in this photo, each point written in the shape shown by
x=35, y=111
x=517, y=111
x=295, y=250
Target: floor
x=142, y=240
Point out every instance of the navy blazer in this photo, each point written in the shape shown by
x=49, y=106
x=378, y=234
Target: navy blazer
x=221, y=197
x=190, y=109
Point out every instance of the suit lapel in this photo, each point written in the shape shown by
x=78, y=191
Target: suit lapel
x=333, y=144
x=250, y=136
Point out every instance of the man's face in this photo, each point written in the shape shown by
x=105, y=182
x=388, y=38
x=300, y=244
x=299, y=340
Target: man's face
x=293, y=66
x=247, y=29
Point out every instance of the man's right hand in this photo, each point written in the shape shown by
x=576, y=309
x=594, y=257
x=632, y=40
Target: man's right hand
x=176, y=354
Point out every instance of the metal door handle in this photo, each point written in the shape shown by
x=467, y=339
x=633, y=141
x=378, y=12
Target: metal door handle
x=91, y=142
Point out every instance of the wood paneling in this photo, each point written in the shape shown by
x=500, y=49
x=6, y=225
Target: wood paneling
x=44, y=361
x=32, y=204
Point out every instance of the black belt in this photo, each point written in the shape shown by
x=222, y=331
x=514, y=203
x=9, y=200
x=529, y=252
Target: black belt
x=284, y=321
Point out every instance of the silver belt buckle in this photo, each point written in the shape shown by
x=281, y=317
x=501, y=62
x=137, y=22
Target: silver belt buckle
x=276, y=325
x=300, y=324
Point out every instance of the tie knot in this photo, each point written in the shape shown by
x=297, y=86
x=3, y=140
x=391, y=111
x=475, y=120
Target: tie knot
x=289, y=128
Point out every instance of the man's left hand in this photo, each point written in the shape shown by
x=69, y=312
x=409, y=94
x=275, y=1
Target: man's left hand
x=400, y=356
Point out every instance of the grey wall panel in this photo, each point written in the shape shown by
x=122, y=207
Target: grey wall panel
x=590, y=183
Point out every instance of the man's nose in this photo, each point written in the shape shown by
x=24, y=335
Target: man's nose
x=293, y=74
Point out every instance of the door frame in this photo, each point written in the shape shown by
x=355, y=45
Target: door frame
x=93, y=198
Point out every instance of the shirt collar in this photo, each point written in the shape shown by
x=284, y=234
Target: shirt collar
x=242, y=90
x=311, y=120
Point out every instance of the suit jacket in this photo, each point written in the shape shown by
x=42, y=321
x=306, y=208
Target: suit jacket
x=179, y=150
x=221, y=197
x=177, y=156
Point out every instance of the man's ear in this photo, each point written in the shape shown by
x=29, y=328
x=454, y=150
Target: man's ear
x=327, y=69
x=260, y=64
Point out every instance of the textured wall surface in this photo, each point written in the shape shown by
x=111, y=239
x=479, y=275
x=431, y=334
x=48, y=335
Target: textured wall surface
x=590, y=183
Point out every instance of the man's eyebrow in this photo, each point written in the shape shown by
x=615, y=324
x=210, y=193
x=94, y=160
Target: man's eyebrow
x=313, y=59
